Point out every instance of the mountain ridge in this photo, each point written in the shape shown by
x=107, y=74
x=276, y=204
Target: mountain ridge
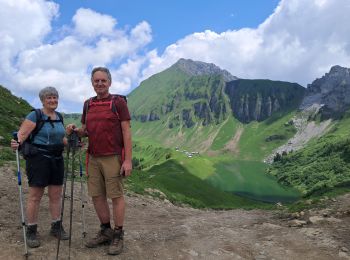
x=330, y=92
x=199, y=68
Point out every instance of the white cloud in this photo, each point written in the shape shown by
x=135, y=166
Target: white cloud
x=91, y=24
x=17, y=33
x=299, y=42
x=28, y=62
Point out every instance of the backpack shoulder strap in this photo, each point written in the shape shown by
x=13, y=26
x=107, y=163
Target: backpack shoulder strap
x=87, y=104
x=114, y=98
x=121, y=96
x=60, y=117
x=39, y=123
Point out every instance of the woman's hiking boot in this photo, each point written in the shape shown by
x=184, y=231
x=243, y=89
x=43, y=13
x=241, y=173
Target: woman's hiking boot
x=55, y=230
x=104, y=236
x=117, y=244
x=32, y=236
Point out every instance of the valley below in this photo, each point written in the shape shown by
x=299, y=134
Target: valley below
x=157, y=229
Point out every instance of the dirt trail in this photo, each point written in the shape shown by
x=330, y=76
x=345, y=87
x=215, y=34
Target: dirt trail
x=159, y=230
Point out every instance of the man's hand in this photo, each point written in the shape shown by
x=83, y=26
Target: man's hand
x=126, y=168
x=70, y=128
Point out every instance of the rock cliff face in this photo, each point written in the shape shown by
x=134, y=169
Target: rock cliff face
x=331, y=92
x=257, y=100
x=202, y=100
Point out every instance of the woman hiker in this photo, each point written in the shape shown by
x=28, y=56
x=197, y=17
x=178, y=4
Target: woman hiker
x=45, y=165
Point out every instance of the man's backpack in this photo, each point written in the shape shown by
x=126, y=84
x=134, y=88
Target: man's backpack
x=111, y=103
x=27, y=148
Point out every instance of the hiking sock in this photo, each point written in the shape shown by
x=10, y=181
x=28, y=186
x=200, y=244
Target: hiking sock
x=118, y=228
x=105, y=225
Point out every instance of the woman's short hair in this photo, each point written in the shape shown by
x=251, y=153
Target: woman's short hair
x=103, y=69
x=46, y=92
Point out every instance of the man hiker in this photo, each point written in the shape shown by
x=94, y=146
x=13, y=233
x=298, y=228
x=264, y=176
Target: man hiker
x=106, y=122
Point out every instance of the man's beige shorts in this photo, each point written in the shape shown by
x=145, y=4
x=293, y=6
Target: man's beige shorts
x=104, y=176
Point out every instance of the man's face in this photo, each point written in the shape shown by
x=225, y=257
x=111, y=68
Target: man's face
x=101, y=83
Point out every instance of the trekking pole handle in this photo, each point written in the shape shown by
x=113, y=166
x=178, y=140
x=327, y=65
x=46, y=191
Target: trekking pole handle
x=73, y=139
x=15, y=137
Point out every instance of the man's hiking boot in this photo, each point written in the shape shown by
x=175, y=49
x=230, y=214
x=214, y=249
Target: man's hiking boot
x=55, y=230
x=104, y=236
x=32, y=236
x=117, y=244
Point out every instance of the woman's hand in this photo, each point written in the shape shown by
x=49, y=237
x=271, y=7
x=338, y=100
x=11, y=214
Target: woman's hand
x=14, y=144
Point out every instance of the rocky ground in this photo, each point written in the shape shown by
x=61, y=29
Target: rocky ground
x=156, y=229
x=306, y=130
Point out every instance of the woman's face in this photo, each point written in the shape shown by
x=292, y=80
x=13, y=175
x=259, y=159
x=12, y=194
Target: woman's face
x=50, y=102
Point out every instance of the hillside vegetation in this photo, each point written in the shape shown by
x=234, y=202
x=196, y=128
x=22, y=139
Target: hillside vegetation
x=12, y=112
x=323, y=165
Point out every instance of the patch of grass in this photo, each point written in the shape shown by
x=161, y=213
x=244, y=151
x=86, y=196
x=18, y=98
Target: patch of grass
x=226, y=133
x=6, y=154
x=255, y=144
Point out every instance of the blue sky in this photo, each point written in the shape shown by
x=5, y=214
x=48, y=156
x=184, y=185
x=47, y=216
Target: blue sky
x=58, y=42
x=173, y=20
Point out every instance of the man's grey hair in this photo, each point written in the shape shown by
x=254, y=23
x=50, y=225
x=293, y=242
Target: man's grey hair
x=46, y=92
x=103, y=69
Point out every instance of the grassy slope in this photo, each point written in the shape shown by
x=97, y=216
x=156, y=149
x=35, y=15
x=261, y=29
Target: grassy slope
x=72, y=119
x=140, y=101
x=12, y=112
x=321, y=166
x=253, y=144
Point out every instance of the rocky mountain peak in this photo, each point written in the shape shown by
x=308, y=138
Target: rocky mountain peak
x=332, y=92
x=338, y=70
x=197, y=68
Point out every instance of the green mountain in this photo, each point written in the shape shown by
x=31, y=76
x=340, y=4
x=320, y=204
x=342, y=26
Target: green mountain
x=199, y=106
x=12, y=112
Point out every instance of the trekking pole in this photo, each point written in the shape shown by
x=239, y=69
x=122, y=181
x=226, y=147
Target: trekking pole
x=63, y=197
x=73, y=142
x=19, y=178
x=82, y=197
